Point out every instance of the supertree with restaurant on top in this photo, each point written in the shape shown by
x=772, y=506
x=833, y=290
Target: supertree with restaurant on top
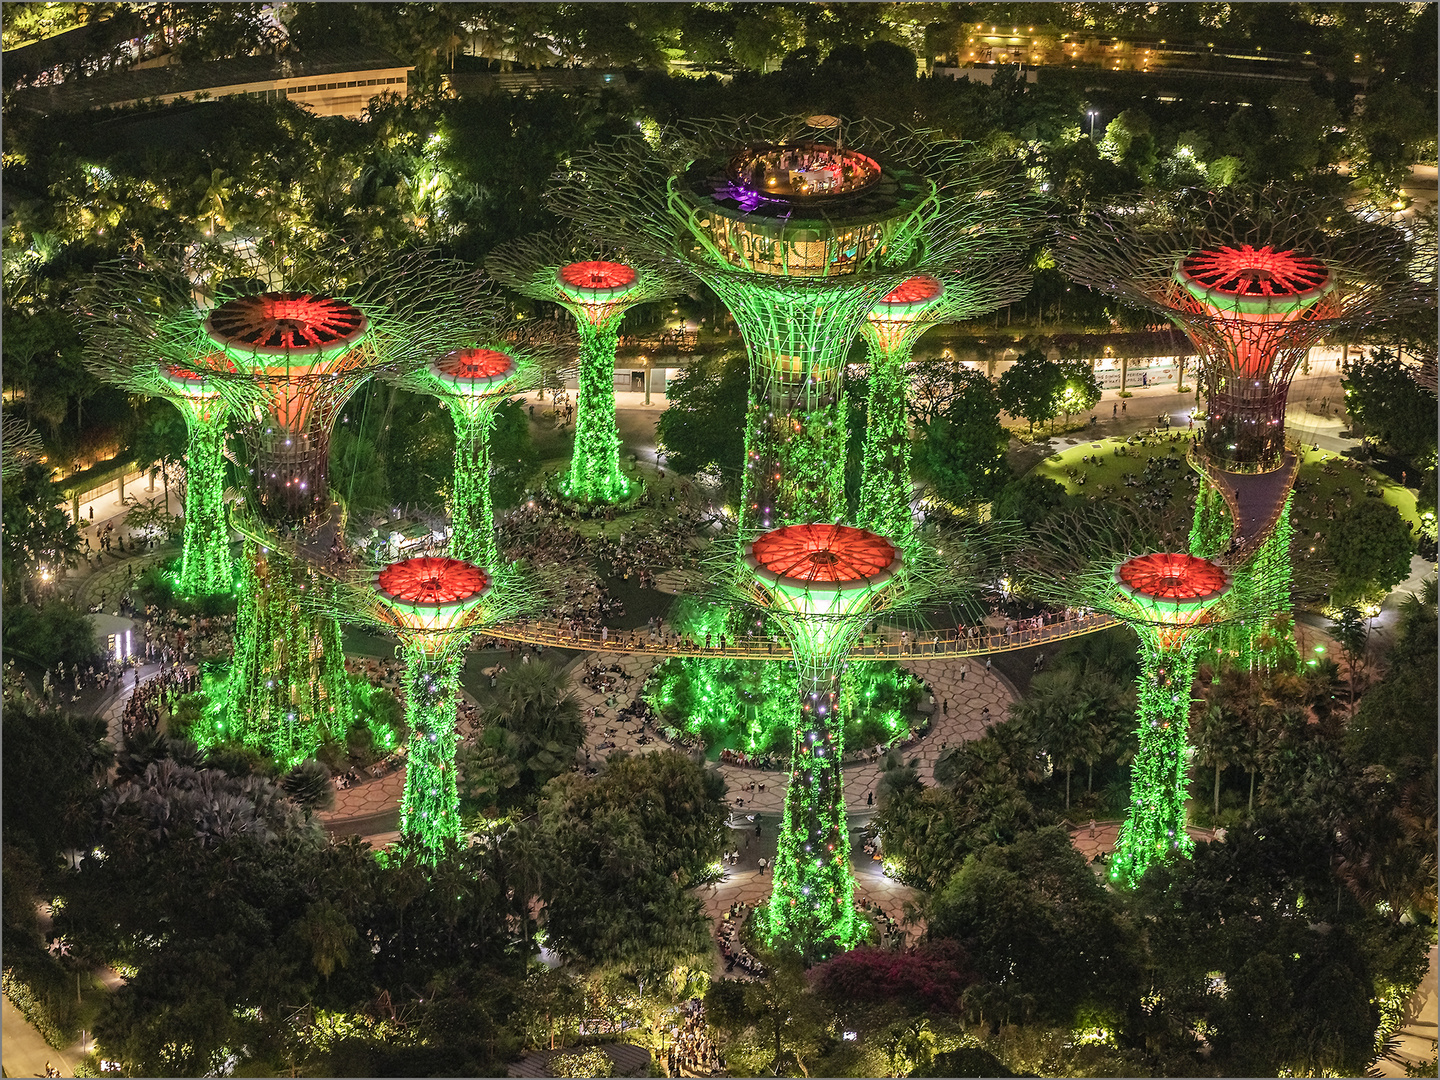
x=286, y=362
x=800, y=226
x=597, y=284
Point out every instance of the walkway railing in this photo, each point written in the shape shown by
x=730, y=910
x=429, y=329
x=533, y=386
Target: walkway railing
x=1260, y=530
x=884, y=645
x=887, y=644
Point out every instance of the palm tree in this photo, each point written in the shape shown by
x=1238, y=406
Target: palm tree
x=534, y=703
x=215, y=194
x=1216, y=737
x=1061, y=710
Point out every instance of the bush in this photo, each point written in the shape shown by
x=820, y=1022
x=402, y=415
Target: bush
x=309, y=785
x=592, y=1062
x=157, y=586
x=55, y=1025
x=58, y=631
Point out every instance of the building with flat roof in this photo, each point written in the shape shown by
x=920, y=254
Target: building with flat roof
x=337, y=82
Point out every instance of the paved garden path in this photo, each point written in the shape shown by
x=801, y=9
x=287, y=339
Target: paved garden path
x=959, y=715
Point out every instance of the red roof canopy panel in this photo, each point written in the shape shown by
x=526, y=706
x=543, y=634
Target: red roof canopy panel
x=475, y=363
x=286, y=321
x=427, y=580
x=1247, y=271
x=1173, y=576
x=823, y=553
x=597, y=275
x=913, y=290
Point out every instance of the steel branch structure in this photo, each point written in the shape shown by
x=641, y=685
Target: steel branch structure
x=1100, y=558
x=1254, y=279
x=597, y=284
x=205, y=564
x=800, y=226
x=821, y=584
x=433, y=605
x=472, y=383
x=20, y=444
x=285, y=362
x=896, y=322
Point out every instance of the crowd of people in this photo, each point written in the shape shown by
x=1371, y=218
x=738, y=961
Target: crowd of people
x=155, y=698
x=732, y=949
x=691, y=1051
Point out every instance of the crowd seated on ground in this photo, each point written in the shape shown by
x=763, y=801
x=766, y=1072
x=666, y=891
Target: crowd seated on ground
x=739, y=963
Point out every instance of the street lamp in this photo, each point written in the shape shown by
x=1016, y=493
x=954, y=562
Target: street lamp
x=1091, y=114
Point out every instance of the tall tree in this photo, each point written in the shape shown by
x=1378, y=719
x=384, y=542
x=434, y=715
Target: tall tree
x=704, y=425
x=1031, y=388
x=963, y=445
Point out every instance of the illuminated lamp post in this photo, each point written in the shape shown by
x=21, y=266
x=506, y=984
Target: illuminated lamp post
x=432, y=605
x=597, y=286
x=472, y=383
x=820, y=583
x=896, y=322
x=799, y=233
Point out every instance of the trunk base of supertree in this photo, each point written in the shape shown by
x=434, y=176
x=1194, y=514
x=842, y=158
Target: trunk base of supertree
x=288, y=690
x=206, y=568
x=885, y=462
x=1154, y=827
x=595, y=475
x=430, y=806
x=812, y=900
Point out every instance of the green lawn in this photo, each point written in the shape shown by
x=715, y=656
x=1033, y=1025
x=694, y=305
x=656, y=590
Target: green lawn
x=1107, y=478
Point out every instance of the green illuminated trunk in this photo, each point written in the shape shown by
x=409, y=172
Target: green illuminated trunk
x=885, y=464
x=1211, y=530
x=288, y=686
x=472, y=514
x=595, y=474
x=1154, y=829
x=205, y=568
x=812, y=902
x=430, y=808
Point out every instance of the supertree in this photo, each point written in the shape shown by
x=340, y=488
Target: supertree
x=205, y=564
x=433, y=605
x=597, y=285
x=1102, y=557
x=897, y=321
x=820, y=583
x=286, y=362
x=1254, y=279
x=472, y=383
x=799, y=226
